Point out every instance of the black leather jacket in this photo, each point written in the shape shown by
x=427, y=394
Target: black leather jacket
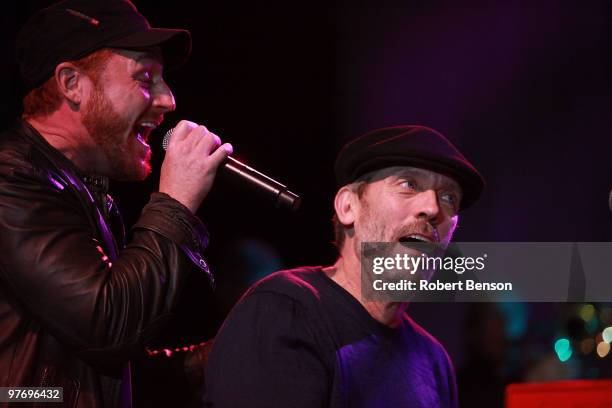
x=74, y=307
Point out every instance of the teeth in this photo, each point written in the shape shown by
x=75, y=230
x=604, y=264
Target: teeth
x=148, y=125
x=418, y=237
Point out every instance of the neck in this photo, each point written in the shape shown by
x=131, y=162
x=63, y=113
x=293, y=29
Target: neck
x=68, y=135
x=346, y=272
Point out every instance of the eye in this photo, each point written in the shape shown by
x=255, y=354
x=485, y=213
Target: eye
x=450, y=198
x=145, y=78
x=408, y=185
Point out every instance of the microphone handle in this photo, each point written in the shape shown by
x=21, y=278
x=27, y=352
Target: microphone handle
x=283, y=197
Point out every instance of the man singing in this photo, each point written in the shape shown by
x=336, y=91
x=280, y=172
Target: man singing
x=76, y=301
x=306, y=337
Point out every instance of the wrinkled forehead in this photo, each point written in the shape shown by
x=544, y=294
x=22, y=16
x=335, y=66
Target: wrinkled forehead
x=431, y=177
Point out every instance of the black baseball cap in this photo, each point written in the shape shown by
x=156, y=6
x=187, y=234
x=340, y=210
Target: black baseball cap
x=409, y=145
x=72, y=29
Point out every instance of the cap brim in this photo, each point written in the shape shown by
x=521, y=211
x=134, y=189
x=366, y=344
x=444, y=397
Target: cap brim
x=175, y=44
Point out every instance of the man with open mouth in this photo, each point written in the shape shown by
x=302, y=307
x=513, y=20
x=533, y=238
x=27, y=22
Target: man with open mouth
x=307, y=337
x=76, y=302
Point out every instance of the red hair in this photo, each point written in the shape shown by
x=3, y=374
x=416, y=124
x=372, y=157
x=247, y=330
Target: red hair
x=46, y=99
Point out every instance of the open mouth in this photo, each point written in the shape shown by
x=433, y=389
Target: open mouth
x=414, y=238
x=143, y=130
x=421, y=243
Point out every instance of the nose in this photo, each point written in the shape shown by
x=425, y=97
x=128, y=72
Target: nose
x=163, y=99
x=427, y=207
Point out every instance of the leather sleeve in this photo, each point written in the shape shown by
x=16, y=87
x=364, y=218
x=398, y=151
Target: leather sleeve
x=54, y=266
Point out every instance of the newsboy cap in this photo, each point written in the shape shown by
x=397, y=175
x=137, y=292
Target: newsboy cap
x=72, y=29
x=410, y=145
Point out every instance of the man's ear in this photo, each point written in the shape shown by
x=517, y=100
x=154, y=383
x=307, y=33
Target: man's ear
x=345, y=206
x=69, y=82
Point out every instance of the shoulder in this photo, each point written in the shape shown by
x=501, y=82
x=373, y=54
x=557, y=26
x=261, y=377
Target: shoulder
x=300, y=283
x=15, y=150
x=24, y=162
x=283, y=302
x=296, y=291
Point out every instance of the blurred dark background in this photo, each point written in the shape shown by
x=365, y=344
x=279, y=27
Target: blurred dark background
x=524, y=89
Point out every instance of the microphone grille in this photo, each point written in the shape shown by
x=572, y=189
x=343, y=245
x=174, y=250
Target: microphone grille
x=166, y=140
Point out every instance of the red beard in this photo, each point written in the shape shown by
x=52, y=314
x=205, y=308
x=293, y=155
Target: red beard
x=129, y=159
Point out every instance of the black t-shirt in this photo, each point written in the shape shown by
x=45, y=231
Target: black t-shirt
x=298, y=339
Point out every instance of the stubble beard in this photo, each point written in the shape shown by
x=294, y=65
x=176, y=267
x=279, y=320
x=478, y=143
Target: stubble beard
x=372, y=229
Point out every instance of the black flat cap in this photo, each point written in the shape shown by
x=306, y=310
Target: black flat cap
x=410, y=145
x=72, y=29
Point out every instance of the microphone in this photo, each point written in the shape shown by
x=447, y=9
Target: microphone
x=278, y=192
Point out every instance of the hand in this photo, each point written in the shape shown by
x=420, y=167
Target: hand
x=192, y=158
